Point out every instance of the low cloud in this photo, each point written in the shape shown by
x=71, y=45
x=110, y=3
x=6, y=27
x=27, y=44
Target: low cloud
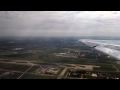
x=59, y=23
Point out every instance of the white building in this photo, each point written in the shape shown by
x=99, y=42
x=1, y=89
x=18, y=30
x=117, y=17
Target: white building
x=94, y=75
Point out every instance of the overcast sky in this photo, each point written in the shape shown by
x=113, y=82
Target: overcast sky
x=59, y=23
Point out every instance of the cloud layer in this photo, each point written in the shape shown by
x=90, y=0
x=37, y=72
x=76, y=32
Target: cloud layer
x=59, y=23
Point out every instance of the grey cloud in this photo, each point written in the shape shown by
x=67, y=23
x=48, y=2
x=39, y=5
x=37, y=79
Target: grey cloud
x=62, y=23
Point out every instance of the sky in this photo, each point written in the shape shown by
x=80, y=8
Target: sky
x=59, y=23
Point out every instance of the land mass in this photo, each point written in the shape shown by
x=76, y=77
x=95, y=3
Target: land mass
x=54, y=58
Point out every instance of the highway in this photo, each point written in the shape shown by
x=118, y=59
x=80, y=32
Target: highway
x=62, y=73
x=117, y=70
x=82, y=76
x=25, y=72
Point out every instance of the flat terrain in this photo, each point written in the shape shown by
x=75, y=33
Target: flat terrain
x=40, y=58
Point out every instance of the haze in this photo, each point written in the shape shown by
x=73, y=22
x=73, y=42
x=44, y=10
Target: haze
x=59, y=23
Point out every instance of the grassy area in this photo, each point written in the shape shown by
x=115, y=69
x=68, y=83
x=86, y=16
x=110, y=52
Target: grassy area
x=104, y=68
x=12, y=76
x=32, y=76
x=113, y=74
x=13, y=67
x=33, y=69
x=2, y=71
x=117, y=66
x=47, y=55
x=6, y=60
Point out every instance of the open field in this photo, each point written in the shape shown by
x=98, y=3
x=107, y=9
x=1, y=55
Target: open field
x=12, y=76
x=117, y=66
x=105, y=68
x=13, y=67
x=32, y=76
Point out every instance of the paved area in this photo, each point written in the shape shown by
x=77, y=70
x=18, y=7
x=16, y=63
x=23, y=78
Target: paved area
x=62, y=73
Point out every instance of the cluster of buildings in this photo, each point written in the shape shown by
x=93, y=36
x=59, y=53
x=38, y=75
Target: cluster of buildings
x=99, y=75
x=68, y=55
x=73, y=73
x=89, y=75
x=76, y=54
x=48, y=70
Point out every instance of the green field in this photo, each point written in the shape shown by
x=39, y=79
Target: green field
x=13, y=67
x=14, y=76
x=117, y=66
x=48, y=55
x=33, y=69
x=32, y=76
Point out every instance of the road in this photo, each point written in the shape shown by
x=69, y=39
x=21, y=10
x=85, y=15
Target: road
x=82, y=76
x=62, y=73
x=25, y=72
x=117, y=70
x=66, y=75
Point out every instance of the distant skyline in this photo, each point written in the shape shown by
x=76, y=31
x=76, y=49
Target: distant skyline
x=60, y=23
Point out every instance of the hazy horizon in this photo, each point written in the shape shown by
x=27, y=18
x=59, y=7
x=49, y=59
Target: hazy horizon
x=59, y=23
